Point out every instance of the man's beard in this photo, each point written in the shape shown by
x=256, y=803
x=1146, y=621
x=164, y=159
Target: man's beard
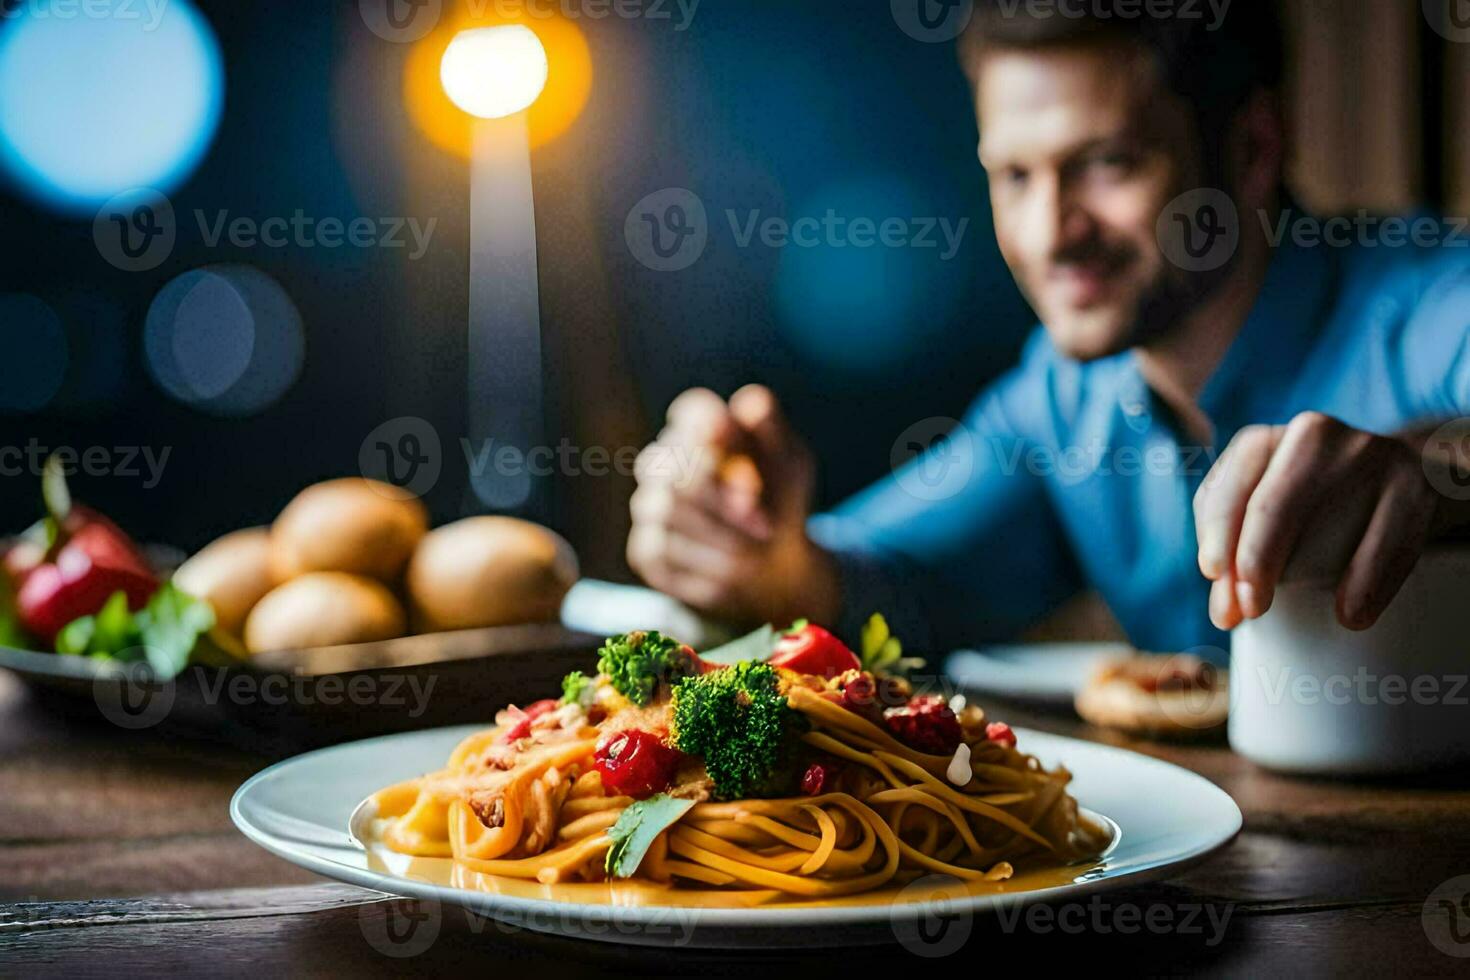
x=1164, y=308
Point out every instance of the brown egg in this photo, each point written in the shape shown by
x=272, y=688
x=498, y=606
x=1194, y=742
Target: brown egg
x=488, y=571
x=323, y=609
x=348, y=525
x=231, y=574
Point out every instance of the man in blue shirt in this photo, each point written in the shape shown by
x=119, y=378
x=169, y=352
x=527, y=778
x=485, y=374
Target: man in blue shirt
x=1224, y=394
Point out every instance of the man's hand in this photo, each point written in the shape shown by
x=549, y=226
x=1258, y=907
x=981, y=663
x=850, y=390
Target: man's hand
x=719, y=516
x=1317, y=501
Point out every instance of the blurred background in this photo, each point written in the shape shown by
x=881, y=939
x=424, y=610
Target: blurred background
x=761, y=108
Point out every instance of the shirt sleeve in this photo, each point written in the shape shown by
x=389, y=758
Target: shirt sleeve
x=1436, y=343
x=960, y=545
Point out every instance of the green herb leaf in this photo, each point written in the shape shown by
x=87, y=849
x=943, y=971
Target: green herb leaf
x=576, y=688
x=164, y=632
x=114, y=629
x=756, y=645
x=169, y=626
x=76, y=636
x=12, y=634
x=636, y=829
x=882, y=653
x=54, y=492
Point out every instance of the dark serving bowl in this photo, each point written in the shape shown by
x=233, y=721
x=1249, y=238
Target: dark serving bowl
x=282, y=702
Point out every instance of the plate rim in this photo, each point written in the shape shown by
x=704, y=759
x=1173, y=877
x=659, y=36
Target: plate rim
x=492, y=904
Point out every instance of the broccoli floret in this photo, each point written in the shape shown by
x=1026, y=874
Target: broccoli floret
x=575, y=687
x=636, y=663
x=743, y=726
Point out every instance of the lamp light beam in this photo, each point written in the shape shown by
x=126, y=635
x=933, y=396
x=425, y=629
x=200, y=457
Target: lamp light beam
x=495, y=74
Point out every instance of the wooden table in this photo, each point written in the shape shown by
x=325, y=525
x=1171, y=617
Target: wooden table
x=118, y=856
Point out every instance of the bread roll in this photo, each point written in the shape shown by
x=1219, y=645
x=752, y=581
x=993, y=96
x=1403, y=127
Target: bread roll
x=231, y=574
x=323, y=609
x=488, y=571
x=349, y=525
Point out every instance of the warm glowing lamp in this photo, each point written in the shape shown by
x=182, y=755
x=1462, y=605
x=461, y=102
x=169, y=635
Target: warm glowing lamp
x=495, y=74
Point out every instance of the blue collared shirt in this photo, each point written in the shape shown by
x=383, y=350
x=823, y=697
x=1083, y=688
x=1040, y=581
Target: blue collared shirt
x=1065, y=475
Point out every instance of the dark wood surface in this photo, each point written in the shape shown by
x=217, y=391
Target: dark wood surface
x=117, y=855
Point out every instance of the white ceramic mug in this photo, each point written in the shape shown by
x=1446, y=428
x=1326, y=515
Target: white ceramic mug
x=1308, y=695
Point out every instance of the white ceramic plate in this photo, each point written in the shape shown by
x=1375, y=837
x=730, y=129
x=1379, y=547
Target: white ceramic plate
x=301, y=810
x=1047, y=673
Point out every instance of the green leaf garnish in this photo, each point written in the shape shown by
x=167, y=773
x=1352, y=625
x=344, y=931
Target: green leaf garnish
x=576, y=688
x=165, y=631
x=881, y=650
x=755, y=645
x=54, y=492
x=636, y=829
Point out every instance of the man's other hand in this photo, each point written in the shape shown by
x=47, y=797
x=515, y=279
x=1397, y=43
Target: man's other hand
x=719, y=516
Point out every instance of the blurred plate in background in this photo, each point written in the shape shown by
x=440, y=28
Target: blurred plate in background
x=1043, y=673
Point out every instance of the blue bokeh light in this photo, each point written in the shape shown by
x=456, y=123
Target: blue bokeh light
x=225, y=339
x=116, y=95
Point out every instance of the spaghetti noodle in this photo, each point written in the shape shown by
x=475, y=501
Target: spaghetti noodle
x=535, y=797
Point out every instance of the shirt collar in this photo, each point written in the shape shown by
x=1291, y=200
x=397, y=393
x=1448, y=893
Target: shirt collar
x=1254, y=379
